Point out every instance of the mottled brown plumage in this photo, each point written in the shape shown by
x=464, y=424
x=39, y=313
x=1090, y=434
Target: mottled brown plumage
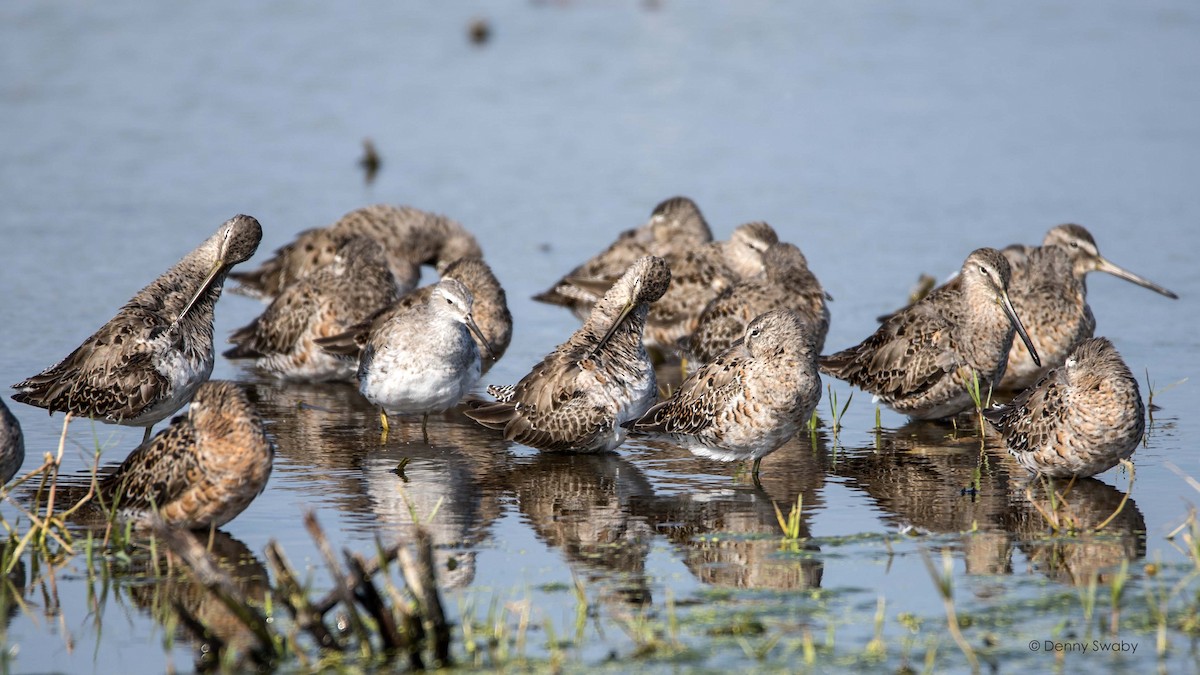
x=701, y=274
x=1079, y=419
x=1049, y=291
x=578, y=397
x=355, y=286
x=144, y=364
x=750, y=399
x=787, y=283
x=201, y=471
x=920, y=360
x=675, y=227
x=409, y=237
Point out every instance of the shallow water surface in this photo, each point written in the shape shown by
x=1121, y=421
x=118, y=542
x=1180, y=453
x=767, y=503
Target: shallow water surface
x=885, y=140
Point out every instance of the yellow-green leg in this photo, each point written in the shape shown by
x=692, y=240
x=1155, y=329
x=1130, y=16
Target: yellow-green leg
x=383, y=421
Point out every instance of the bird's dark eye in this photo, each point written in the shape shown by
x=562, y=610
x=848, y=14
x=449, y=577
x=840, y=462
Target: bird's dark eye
x=983, y=270
x=1074, y=244
x=449, y=301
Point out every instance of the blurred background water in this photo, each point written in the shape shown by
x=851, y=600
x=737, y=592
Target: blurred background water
x=884, y=139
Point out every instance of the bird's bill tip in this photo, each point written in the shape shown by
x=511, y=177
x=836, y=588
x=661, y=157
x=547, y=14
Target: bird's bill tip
x=1106, y=265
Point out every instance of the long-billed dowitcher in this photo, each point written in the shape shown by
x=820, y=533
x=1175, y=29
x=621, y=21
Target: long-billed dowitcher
x=921, y=361
x=354, y=287
x=1049, y=293
x=409, y=237
x=145, y=363
x=202, y=470
x=675, y=227
x=787, y=283
x=749, y=400
x=12, y=445
x=423, y=360
x=578, y=397
x=701, y=274
x=1080, y=419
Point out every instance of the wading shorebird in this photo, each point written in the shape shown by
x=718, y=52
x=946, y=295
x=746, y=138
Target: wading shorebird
x=424, y=359
x=747, y=401
x=578, y=397
x=699, y=276
x=145, y=363
x=1049, y=292
x=409, y=237
x=922, y=360
x=1080, y=419
x=489, y=309
x=787, y=283
x=282, y=340
x=201, y=471
x=676, y=226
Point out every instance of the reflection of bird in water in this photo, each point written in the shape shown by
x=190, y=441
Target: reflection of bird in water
x=12, y=445
x=747, y=401
x=924, y=480
x=1084, y=554
x=12, y=591
x=728, y=534
x=201, y=471
x=148, y=360
x=676, y=226
x=581, y=505
x=352, y=288
x=452, y=487
x=1080, y=419
x=578, y=397
x=922, y=359
x=162, y=596
x=410, y=238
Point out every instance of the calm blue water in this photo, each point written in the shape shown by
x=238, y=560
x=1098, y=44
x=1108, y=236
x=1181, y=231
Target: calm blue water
x=884, y=139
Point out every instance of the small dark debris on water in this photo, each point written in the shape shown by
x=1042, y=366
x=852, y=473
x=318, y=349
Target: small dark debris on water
x=545, y=247
x=479, y=31
x=370, y=161
x=970, y=490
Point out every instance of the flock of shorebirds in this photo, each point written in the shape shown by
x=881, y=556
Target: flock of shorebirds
x=746, y=317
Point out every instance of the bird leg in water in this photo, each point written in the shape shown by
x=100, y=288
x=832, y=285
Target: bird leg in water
x=383, y=421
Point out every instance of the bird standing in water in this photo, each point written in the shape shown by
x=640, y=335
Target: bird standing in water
x=747, y=401
x=1049, y=292
x=578, y=397
x=923, y=358
x=146, y=363
x=422, y=360
x=201, y=471
x=1080, y=419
